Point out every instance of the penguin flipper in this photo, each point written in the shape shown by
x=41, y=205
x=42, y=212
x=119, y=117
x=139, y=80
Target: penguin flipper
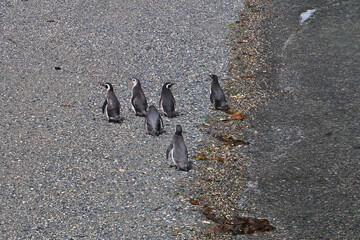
x=133, y=101
x=160, y=102
x=140, y=110
x=104, y=106
x=212, y=95
x=168, y=151
x=173, y=101
x=162, y=122
x=146, y=123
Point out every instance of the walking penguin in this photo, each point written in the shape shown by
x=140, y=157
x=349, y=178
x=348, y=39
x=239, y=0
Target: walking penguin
x=111, y=105
x=153, y=121
x=138, y=99
x=167, y=100
x=217, y=96
x=178, y=151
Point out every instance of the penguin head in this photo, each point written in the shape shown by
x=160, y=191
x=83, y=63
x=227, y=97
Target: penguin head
x=135, y=82
x=152, y=108
x=108, y=86
x=178, y=130
x=214, y=77
x=168, y=85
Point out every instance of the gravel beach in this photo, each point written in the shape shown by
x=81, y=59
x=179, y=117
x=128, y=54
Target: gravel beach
x=66, y=173
x=286, y=154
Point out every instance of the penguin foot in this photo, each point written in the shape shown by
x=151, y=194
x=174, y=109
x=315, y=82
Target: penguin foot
x=177, y=168
x=154, y=133
x=225, y=108
x=120, y=120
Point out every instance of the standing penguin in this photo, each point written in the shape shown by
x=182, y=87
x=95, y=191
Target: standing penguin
x=138, y=99
x=153, y=121
x=167, y=100
x=111, y=105
x=178, y=151
x=217, y=96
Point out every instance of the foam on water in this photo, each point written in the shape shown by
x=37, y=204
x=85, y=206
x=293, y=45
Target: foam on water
x=306, y=15
x=287, y=42
x=251, y=188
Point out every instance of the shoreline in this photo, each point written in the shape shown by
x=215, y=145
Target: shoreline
x=297, y=85
x=223, y=179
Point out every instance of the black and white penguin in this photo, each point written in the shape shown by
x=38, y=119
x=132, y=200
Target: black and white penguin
x=138, y=99
x=167, y=100
x=111, y=105
x=217, y=96
x=153, y=121
x=178, y=151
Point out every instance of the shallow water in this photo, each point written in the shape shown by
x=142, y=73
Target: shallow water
x=305, y=157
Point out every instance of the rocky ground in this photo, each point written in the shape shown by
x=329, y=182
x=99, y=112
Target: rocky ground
x=66, y=173
x=220, y=185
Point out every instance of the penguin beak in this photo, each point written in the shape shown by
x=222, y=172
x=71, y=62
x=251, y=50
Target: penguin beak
x=103, y=84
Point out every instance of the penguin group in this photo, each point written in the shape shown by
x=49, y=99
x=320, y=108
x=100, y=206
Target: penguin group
x=153, y=121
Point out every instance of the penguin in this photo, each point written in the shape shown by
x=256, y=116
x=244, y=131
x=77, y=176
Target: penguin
x=217, y=96
x=178, y=151
x=111, y=105
x=138, y=99
x=167, y=101
x=153, y=121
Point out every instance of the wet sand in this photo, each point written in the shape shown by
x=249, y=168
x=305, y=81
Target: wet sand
x=300, y=170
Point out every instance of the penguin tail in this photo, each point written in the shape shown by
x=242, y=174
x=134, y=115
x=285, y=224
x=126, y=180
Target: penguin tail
x=170, y=114
x=154, y=132
x=115, y=119
x=184, y=167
